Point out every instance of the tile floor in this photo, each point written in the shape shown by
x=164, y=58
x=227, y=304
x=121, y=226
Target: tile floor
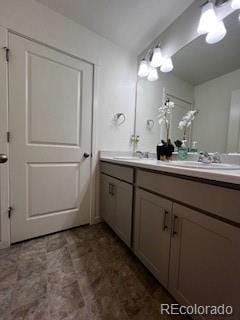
x=85, y=273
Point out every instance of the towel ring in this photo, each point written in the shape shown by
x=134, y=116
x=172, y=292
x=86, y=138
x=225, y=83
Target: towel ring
x=150, y=124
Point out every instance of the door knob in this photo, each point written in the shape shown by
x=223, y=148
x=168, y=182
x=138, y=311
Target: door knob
x=3, y=158
x=86, y=155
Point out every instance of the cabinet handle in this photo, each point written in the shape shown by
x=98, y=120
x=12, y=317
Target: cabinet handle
x=174, y=226
x=111, y=189
x=165, y=226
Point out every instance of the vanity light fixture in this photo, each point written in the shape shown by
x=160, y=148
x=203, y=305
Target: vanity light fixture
x=143, y=70
x=153, y=74
x=167, y=65
x=208, y=19
x=235, y=4
x=157, y=58
x=210, y=24
x=218, y=34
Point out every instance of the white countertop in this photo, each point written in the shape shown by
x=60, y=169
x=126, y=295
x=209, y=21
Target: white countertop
x=227, y=176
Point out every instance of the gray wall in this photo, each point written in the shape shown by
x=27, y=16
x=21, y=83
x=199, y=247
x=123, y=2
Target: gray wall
x=213, y=99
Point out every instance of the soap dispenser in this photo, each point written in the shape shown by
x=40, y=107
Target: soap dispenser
x=194, y=147
x=183, y=151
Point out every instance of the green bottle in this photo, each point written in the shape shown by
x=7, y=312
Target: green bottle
x=183, y=151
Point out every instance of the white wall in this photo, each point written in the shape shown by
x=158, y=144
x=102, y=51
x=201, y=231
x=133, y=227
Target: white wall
x=149, y=99
x=117, y=67
x=213, y=99
x=117, y=94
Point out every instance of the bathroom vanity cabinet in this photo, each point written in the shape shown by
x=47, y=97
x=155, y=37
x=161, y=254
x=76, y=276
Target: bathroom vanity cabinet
x=186, y=232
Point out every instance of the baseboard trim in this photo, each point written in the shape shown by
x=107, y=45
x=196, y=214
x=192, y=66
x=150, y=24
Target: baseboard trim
x=4, y=245
x=97, y=220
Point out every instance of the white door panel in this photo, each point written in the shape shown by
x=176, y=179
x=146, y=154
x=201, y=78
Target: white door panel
x=44, y=179
x=50, y=114
x=233, y=143
x=57, y=109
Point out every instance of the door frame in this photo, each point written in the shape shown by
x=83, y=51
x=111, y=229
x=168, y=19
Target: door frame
x=4, y=146
x=5, y=197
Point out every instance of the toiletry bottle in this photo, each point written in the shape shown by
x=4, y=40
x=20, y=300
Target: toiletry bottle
x=194, y=147
x=161, y=151
x=183, y=151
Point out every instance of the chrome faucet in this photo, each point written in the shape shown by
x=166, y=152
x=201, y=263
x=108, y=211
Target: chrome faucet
x=216, y=158
x=142, y=154
x=205, y=157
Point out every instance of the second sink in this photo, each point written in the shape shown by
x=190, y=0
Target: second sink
x=201, y=165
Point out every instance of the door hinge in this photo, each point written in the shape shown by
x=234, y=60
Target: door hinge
x=10, y=210
x=8, y=136
x=6, y=53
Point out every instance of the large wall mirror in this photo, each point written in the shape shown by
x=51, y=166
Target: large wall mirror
x=206, y=77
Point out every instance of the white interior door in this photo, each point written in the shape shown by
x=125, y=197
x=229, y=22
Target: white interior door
x=233, y=144
x=50, y=116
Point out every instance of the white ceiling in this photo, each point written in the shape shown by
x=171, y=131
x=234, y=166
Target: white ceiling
x=131, y=24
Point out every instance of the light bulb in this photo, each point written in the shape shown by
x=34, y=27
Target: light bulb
x=167, y=65
x=156, y=60
x=153, y=74
x=143, y=70
x=208, y=19
x=235, y=4
x=217, y=34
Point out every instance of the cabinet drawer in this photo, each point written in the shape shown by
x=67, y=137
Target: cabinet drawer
x=117, y=171
x=218, y=200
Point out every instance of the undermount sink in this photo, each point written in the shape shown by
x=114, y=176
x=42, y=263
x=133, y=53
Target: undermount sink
x=201, y=165
x=127, y=158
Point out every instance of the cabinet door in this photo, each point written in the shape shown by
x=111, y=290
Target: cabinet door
x=107, y=200
x=123, y=193
x=116, y=206
x=152, y=233
x=205, y=261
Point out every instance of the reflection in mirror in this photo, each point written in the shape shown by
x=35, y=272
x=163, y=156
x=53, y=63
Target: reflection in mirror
x=206, y=77
x=151, y=96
